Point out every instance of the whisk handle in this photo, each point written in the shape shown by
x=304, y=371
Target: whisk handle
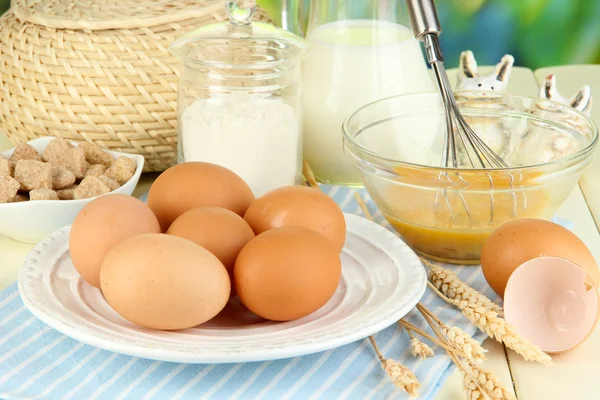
x=424, y=18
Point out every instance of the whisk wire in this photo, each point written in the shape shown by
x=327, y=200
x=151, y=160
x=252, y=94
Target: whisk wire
x=458, y=133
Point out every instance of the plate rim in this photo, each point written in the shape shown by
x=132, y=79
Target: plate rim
x=294, y=350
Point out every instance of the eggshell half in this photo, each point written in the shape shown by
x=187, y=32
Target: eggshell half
x=552, y=302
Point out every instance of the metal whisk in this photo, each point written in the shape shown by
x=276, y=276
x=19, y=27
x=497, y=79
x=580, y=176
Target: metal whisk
x=427, y=28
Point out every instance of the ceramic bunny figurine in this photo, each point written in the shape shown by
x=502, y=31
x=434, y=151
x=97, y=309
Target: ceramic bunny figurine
x=582, y=101
x=469, y=79
x=551, y=144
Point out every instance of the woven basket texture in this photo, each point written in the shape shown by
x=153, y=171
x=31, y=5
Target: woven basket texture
x=97, y=70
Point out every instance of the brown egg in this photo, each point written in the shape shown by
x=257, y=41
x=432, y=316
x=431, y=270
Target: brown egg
x=298, y=206
x=218, y=230
x=196, y=184
x=100, y=225
x=521, y=240
x=287, y=273
x=164, y=282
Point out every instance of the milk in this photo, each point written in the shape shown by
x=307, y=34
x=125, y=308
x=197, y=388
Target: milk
x=352, y=63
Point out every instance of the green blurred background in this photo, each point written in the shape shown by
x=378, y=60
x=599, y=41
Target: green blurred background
x=538, y=33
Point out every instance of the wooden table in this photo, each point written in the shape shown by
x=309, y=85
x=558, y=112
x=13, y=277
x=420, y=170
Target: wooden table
x=576, y=375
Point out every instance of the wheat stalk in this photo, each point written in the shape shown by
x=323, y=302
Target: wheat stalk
x=459, y=293
x=419, y=348
x=459, y=339
x=412, y=328
x=477, y=382
x=309, y=176
x=402, y=377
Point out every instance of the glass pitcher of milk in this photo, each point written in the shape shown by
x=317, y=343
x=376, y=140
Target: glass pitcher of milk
x=361, y=51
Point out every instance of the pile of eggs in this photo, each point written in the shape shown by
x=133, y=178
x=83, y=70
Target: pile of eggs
x=204, y=238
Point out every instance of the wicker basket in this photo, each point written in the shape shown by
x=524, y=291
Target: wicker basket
x=97, y=70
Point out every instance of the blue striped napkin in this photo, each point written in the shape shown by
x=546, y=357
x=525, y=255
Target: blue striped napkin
x=36, y=362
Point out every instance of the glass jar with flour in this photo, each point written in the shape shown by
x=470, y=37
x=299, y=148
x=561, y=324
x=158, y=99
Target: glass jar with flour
x=239, y=98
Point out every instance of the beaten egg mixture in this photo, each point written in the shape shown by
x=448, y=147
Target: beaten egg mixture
x=436, y=223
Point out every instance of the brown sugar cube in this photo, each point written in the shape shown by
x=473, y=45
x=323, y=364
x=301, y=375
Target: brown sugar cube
x=62, y=177
x=91, y=187
x=61, y=152
x=95, y=155
x=122, y=170
x=33, y=174
x=67, y=193
x=24, y=151
x=75, y=161
x=110, y=182
x=96, y=170
x=7, y=168
x=55, y=148
x=43, y=194
x=8, y=188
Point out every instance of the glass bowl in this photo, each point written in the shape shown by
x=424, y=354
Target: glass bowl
x=446, y=214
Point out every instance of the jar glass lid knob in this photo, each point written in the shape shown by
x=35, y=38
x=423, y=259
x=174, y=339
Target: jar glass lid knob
x=240, y=12
x=204, y=44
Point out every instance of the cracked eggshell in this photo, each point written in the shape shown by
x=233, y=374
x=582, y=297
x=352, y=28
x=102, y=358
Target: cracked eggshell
x=552, y=302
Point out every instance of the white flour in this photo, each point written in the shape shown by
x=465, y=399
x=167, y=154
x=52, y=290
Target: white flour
x=258, y=139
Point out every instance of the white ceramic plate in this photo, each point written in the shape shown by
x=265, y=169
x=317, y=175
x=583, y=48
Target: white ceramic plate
x=382, y=280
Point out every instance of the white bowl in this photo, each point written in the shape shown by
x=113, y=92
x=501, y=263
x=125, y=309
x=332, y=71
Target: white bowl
x=32, y=221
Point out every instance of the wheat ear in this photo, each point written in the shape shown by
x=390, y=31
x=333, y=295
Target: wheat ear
x=426, y=335
x=402, y=377
x=459, y=339
x=495, y=327
x=486, y=379
x=419, y=348
x=477, y=382
x=459, y=293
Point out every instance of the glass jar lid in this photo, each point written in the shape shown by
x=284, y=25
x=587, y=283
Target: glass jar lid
x=239, y=42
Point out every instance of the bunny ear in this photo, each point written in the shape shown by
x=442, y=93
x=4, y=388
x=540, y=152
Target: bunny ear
x=504, y=67
x=548, y=89
x=467, y=64
x=582, y=101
